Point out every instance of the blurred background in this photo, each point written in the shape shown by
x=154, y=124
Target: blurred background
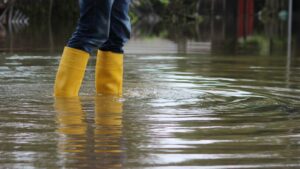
x=257, y=27
x=211, y=83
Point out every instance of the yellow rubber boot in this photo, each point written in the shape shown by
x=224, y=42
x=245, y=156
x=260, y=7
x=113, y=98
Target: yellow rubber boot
x=109, y=73
x=70, y=72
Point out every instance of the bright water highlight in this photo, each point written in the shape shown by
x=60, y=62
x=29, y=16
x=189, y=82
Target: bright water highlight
x=178, y=112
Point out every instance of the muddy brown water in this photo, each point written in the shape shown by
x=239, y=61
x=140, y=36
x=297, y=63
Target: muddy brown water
x=178, y=112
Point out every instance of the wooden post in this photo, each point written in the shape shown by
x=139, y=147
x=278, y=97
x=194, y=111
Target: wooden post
x=212, y=7
x=289, y=47
x=290, y=29
x=50, y=26
x=241, y=18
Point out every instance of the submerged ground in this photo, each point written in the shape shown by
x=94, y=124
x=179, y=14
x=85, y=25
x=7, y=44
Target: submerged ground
x=179, y=111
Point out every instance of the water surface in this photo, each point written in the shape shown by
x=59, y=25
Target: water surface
x=178, y=111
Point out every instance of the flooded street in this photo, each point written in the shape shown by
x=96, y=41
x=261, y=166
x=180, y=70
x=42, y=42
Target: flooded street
x=178, y=111
x=207, y=85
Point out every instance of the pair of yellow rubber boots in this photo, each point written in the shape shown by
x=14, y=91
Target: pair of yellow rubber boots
x=70, y=74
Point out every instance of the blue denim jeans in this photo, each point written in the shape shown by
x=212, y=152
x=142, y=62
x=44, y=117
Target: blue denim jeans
x=103, y=24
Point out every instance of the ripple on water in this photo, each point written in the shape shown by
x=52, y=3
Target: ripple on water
x=177, y=112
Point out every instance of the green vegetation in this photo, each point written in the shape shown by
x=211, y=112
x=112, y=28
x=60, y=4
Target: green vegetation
x=177, y=20
x=175, y=10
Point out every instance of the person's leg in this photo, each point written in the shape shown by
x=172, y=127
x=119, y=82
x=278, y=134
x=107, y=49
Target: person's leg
x=92, y=31
x=94, y=25
x=109, y=66
x=120, y=28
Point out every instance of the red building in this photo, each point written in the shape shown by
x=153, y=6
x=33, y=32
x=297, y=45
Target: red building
x=245, y=18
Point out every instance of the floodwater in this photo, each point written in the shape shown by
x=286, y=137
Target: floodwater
x=178, y=111
x=186, y=105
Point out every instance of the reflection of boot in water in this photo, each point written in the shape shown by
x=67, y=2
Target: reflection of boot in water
x=71, y=127
x=70, y=116
x=108, y=131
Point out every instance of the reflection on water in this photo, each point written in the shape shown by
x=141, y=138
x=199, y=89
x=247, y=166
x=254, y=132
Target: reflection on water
x=99, y=148
x=178, y=111
x=235, y=27
x=197, y=95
